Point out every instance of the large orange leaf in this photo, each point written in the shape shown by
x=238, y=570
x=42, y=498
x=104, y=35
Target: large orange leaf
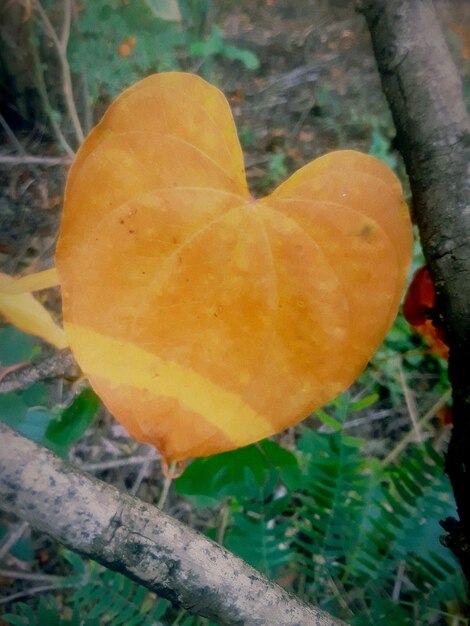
x=206, y=319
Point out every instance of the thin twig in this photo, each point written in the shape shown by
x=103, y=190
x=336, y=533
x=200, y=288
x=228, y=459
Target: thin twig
x=30, y=159
x=42, y=89
x=409, y=437
x=166, y=486
x=67, y=75
x=12, y=537
x=7, y=573
x=64, y=38
x=52, y=367
x=11, y=135
x=88, y=115
x=61, y=48
x=151, y=457
x=410, y=401
x=339, y=594
x=32, y=592
x=16, y=143
x=399, y=581
x=224, y=517
x=115, y=463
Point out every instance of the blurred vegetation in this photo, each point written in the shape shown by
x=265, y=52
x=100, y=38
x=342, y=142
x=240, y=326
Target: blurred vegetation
x=344, y=509
x=130, y=40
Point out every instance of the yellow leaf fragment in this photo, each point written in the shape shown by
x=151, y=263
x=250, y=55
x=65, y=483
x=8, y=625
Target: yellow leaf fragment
x=25, y=312
x=30, y=282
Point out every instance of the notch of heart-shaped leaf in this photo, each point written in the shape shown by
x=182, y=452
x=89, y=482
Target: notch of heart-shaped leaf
x=205, y=319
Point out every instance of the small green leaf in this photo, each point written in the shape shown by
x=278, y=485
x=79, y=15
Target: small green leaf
x=212, y=45
x=13, y=410
x=248, y=58
x=16, y=346
x=75, y=419
x=161, y=608
x=36, y=395
x=35, y=425
x=225, y=474
x=48, y=612
x=77, y=563
x=28, y=618
x=353, y=442
x=105, y=13
x=363, y=403
x=328, y=420
x=16, y=620
x=30, y=422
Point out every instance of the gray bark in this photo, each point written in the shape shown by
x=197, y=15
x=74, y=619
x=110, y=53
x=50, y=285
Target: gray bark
x=52, y=367
x=424, y=92
x=132, y=537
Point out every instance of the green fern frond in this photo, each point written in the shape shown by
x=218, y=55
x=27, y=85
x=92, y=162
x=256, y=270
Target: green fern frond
x=105, y=598
x=261, y=542
x=362, y=527
x=114, y=599
x=259, y=529
x=336, y=484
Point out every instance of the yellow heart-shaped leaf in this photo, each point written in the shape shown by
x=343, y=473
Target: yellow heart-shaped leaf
x=206, y=319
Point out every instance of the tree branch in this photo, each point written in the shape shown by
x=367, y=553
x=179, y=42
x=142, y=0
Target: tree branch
x=424, y=92
x=132, y=537
x=27, y=375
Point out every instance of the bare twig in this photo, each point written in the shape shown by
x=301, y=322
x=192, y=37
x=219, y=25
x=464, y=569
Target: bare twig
x=7, y=573
x=166, y=486
x=42, y=89
x=30, y=159
x=399, y=581
x=410, y=401
x=224, y=515
x=139, y=540
x=150, y=458
x=52, y=367
x=31, y=592
x=12, y=537
x=61, y=48
x=411, y=435
x=64, y=38
x=115, y=463
x=11, y=135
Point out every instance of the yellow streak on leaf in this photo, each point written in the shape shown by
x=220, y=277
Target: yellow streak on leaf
x=123, y=363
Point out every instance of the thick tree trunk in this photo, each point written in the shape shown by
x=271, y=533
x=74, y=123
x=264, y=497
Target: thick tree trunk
x=424, y=92
x=132, y=537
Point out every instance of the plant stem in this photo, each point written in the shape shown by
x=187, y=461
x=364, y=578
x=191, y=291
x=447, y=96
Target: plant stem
x=61, y=48
x=42, y=89
x=410, y=436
